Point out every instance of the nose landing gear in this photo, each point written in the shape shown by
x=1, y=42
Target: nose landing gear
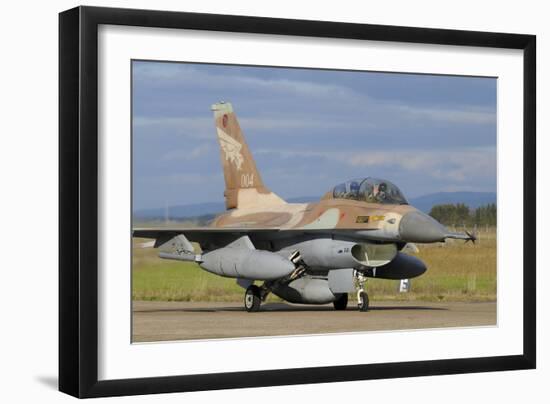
x=362, y=296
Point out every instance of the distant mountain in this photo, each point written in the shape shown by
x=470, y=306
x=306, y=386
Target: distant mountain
x=209, y=209
x=303, y=199
x=180, y=211
x=472, y=199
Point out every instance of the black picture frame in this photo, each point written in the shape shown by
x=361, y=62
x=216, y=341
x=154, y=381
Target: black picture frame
x=78, y=200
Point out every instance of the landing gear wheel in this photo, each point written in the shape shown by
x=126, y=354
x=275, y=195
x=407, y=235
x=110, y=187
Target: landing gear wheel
x=252, y=298
x=341, y=303
x=363, y=301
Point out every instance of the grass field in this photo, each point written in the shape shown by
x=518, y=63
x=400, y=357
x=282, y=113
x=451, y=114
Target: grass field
x=456, y=272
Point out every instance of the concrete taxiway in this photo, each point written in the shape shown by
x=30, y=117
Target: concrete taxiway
x=170, y=321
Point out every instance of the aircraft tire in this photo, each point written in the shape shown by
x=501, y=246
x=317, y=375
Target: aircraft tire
x=363, y=302
x=252, y=299
x=341, y=303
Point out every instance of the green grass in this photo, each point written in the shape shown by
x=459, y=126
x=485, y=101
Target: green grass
x=156, y=279
x=456, y=272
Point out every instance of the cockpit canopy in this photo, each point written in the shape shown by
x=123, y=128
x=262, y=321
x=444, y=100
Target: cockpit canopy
x=371, y=190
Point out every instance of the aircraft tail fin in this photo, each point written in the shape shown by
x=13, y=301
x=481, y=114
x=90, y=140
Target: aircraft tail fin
x=243, y=184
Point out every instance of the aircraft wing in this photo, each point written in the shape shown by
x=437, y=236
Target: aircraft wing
x=206, y=237
x=211, y=231
x=211, y=237
x=194, y=231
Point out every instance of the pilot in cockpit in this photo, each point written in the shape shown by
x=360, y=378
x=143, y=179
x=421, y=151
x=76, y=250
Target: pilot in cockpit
x=370, y=190
x=381, y=195
x=354, y=189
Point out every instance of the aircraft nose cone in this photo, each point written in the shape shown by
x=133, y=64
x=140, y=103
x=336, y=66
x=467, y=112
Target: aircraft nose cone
x=417, y=227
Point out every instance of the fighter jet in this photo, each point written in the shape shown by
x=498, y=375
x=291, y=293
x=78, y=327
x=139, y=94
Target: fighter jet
x=309, y=253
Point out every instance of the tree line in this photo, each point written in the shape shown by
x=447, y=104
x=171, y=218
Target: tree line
x=460, y=214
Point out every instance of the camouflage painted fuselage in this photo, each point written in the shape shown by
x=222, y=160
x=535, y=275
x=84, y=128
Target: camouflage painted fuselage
x=369, y=220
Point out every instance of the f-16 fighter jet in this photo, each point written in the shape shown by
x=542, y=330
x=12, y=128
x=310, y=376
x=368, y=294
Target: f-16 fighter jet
x=312, y=253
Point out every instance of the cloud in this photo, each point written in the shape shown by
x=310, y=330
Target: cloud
x=193, y=127
x=188, y=154
x=293, y=153
x=458, y=115
x=295, y=87
x=303, y=122
x=455, y=165
x=203, y=128
x=410, y=160
x=182, y=179
x=178, y=74
x=316, y=97
x=310, y=129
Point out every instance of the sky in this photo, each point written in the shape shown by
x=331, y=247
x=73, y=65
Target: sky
x=309, y=130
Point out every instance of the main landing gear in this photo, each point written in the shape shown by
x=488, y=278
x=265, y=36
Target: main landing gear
x=255, y=295
x=362, y=296
x=252, y=298
x=341, y=303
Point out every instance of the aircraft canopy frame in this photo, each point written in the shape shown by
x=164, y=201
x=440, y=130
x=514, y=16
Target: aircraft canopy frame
x=371, y=190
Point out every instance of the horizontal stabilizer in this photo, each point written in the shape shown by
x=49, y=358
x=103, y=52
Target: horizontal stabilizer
x=147, y=244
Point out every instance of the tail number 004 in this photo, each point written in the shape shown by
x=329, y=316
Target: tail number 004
x=247, y=180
